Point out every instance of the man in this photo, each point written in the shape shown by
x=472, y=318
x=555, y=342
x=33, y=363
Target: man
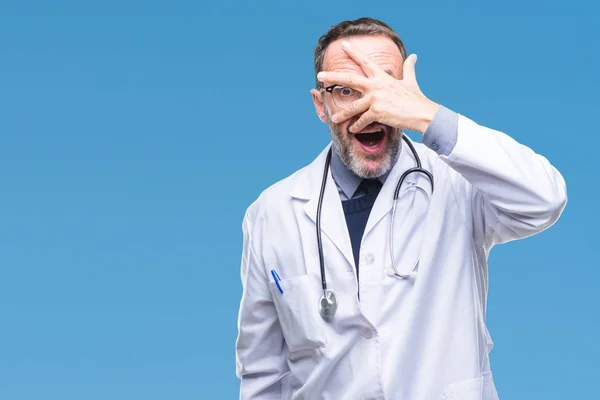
x=408, y=317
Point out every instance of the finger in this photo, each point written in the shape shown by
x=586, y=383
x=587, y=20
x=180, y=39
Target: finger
x=356, y=107
x=364, y=120
x=368, y=66
x=344, y=79
x=408, y=69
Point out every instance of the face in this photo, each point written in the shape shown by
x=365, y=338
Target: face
x=371, y=152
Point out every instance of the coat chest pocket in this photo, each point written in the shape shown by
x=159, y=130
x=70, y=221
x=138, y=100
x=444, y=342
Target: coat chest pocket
x=481, y=388
x=297, y=309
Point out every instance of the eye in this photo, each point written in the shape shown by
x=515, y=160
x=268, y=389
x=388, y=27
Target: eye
x=346, y=92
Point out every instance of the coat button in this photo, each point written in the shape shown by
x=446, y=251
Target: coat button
x=368, y=334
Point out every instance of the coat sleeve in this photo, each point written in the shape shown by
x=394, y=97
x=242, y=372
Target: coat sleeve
x=261, y=352
x=511, y=192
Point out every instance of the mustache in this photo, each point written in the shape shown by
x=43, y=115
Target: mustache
x=333, y=127
x=387, y=130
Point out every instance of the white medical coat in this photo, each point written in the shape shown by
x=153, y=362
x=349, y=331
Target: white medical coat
x=422, y=338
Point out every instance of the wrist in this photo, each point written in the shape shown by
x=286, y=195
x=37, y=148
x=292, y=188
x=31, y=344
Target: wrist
x=428, y=111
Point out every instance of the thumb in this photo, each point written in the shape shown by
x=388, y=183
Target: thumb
x=408, y=69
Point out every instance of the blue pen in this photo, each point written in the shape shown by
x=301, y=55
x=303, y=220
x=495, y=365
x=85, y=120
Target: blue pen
x=276, y=278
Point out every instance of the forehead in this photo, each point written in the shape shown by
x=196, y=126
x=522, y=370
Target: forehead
x=381, y=49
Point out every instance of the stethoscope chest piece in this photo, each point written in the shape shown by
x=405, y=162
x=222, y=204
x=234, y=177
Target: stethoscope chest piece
x=328, y=304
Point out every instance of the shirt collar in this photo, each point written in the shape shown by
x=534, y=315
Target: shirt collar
x=347, y=180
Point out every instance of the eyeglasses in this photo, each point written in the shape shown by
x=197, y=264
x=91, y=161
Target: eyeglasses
x=343, y=96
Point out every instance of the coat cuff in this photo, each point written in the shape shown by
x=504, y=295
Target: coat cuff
x=442, y=133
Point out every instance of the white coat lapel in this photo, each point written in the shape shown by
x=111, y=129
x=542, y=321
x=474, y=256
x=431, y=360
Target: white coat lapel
x=333, y=221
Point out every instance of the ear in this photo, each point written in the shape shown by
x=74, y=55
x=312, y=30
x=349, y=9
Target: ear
x=318, y=102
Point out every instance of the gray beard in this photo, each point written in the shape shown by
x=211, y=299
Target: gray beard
x=352, y=160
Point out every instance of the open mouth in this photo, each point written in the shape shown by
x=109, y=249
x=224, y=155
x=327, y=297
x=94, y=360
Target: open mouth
x=371, y=141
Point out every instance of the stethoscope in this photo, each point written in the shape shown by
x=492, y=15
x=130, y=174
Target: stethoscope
x=328, y=302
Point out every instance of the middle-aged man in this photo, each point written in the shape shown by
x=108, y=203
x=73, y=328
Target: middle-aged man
x=404, y=287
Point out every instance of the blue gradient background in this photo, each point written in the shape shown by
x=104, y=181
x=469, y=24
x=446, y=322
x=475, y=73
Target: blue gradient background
x=133, y=135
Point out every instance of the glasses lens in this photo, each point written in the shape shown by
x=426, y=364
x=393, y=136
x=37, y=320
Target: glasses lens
x=343, y=96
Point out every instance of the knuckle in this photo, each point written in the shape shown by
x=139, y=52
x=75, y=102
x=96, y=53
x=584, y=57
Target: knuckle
x=366, y=101
x=366, y=104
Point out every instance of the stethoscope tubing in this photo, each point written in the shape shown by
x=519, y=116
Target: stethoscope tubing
x=329, y=297
x=318, y=222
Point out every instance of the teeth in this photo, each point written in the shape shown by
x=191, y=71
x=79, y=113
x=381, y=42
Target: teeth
x=379, y=130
